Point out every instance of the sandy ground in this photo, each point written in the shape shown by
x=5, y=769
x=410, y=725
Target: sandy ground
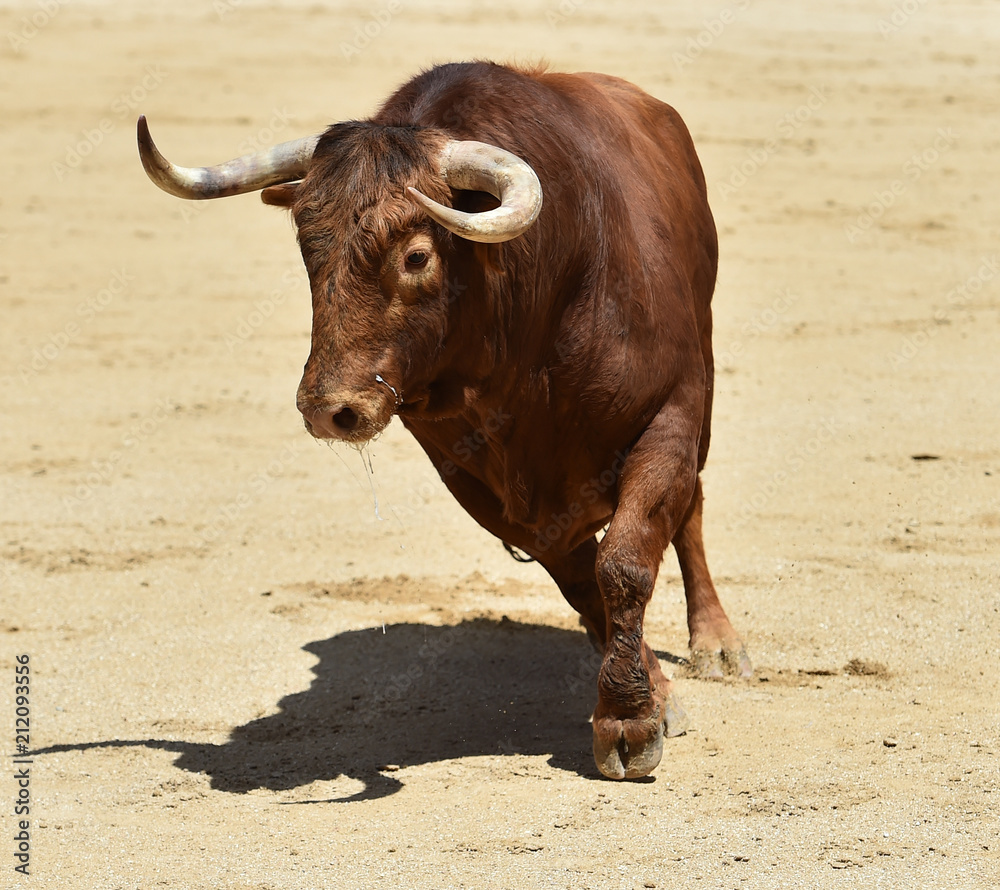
x=244, y=675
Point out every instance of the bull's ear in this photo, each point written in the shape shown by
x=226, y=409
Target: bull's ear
x=280, y=195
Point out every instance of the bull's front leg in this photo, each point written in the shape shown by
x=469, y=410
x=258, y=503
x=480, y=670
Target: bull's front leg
x=636, y=702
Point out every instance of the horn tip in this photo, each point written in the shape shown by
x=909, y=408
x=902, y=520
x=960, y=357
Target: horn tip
x=418, y=197
x=143, y=137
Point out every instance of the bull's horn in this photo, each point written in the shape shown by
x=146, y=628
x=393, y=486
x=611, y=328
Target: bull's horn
x=281, y=163
x=485, y=168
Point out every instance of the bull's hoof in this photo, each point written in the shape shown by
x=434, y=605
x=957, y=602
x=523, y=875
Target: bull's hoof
x=736, y=662
x=675, y=719
x=631, y=749
x=628, y=749
x=715, y=664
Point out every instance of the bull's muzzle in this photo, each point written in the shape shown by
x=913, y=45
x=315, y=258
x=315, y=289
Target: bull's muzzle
x=356, y=418
x=338, y=422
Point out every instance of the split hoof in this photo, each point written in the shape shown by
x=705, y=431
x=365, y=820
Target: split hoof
x=628, y=749
x=631, y=749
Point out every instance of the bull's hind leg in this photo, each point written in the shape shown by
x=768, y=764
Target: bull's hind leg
x=716, y=648
x=656, y=487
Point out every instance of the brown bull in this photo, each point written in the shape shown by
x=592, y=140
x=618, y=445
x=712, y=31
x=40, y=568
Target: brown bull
x=554, y=361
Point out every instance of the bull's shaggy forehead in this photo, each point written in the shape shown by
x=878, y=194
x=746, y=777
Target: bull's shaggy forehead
x=364, y=154
x=354, y=198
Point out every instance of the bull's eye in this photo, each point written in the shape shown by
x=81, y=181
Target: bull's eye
x=417, y=259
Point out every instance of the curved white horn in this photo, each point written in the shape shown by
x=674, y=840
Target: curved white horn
x=481, y=167
x=281, y=163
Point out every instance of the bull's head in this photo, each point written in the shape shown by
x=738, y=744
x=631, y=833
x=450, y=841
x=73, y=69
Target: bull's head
x=366, y=200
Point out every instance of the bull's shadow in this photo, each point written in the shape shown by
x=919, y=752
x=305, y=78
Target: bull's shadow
x=413, y=694
x=410, y=694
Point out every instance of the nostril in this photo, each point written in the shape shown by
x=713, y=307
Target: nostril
x=345, y=419
x=335, y=421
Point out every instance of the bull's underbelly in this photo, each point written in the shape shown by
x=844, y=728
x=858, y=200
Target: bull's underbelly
x=549, y=486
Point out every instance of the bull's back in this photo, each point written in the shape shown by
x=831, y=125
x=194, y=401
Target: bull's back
x=656, y=164
x=656, y=168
